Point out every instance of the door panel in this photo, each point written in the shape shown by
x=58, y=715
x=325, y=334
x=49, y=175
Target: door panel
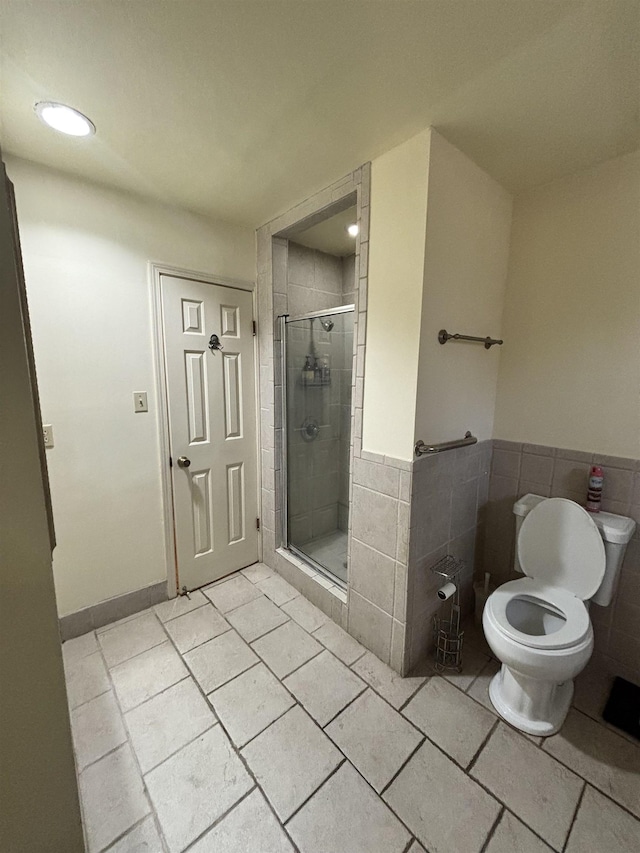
x=212, y=422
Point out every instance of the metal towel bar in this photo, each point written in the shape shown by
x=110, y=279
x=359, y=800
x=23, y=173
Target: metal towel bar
x=444, y=336
x=421, y=448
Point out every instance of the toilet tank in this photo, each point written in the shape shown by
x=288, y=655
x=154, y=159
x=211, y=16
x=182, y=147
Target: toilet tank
x=616, y=531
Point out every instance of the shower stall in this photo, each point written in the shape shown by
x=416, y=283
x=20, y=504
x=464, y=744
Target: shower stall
x=317, y=359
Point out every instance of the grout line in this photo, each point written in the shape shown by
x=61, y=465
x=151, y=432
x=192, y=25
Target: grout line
x=575, y=815
x=492, y=831
x=204, y=642
x=266, y=633
x=365, y=687
x=317, y=789
x=244, y=762
x=136, y=762
x=409, y=844
x=86, y=702
x=186, y=613
x=219, y=819
x=133, y=657
x=268, y=726
x=106, y=754
x=216, y=722
x=124, y=834
x=386, y=787
x=476, y=755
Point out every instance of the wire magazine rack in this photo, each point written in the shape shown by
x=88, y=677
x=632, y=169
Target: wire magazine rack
x=446, y=628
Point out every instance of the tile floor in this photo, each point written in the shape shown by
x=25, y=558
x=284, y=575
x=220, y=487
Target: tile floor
x=242, y=720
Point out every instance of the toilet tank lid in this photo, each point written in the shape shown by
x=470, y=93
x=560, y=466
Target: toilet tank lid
x=617, y=529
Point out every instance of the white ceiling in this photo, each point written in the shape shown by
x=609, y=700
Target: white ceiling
x=240, y=109
x=331, y=234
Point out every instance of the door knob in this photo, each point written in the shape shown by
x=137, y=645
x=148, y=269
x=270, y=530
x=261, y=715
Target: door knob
x=183, y=462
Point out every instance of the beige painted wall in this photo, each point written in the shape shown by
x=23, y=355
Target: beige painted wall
x=465, y=274
x=396, y=265
x=570, y=369
x=86, y=251
x=38, y=791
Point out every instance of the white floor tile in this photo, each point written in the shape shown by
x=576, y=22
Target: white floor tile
x=603, y=827
x=374, y=737
x=391, y=686
x=140, y=678
x=249, y=703
x=249, y=828
x=168, y=721
x=196, y=627
x=131, y=638
x=231, y=593
x=535, y=787
x=86, y=678
x=143, y=839
x=323, y=686
x=290, y=760
x=440, y=804
x=339, y=642
x=205, y=793
x=286, y=648
x=512, y=836
x=113, y=798
x=80, y=647
x=254, y=619
x=457, y=724
x=257, y=572
x=97, y=729
x=180, y=605
x=220, y=660
x=277, y=589
x=600, y=756
x=196, y=786
x=307, y=615
x=345, y=814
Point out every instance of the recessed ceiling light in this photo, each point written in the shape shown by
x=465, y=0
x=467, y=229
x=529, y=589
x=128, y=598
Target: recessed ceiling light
x=353, y=229
x=64, y=119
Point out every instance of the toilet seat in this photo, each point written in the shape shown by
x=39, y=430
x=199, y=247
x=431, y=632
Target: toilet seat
x=559, y=544
x=576, y=626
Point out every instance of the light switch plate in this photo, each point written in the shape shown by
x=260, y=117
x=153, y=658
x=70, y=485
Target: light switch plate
x=47, y=434
x=140, y=401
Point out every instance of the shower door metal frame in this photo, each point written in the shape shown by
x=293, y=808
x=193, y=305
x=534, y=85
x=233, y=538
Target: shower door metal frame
x=284, y=319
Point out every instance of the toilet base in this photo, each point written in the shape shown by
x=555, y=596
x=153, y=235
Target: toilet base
x=532, y=706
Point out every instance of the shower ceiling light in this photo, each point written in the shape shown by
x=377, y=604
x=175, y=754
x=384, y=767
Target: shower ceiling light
x=64, y=119
x=352, y=230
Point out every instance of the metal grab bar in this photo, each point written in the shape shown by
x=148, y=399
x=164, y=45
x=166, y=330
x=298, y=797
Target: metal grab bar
x=444, y=336
x=422, y=449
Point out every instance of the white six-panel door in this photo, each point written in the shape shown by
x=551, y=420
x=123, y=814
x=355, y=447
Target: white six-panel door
x=212, y=426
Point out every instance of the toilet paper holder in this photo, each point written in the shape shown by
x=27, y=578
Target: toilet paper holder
x=447, y=634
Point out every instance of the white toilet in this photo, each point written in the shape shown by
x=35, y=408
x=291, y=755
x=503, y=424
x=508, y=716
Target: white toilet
x=538, y=626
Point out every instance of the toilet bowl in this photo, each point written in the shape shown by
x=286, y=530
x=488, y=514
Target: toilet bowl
x=538, y=626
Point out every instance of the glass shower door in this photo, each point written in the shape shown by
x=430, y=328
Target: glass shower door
x=317, y=388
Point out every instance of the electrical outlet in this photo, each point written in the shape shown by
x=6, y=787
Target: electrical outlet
x=47, y=434
x=140, y=401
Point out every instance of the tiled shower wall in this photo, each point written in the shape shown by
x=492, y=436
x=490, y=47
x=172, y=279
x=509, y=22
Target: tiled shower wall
x=557, y=472
x=319, y=470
